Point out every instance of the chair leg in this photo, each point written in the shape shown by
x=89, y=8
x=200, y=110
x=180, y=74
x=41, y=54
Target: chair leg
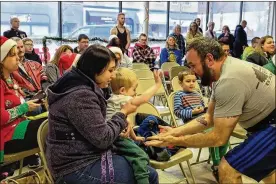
x=47, y=177
x=183, y=172
x=199, y=153
x=209, y=159
x=230, y=147
x=190, y=169
x=21, y=166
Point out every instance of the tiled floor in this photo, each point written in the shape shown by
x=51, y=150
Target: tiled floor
x=202, y=172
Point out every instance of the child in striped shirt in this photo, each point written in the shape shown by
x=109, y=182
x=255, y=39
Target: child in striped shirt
x=188, y=104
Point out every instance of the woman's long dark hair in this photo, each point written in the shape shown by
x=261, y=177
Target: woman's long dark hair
x=95, y=60
x=113, y=43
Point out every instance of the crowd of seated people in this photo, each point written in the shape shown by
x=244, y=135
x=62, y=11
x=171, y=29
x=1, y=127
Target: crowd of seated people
x=78, y=84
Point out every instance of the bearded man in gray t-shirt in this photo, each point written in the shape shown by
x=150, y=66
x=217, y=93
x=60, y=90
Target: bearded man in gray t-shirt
x=242, y=93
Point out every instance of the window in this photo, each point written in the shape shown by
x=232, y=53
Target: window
x=40, y=30
x=102, y=32
x=185, y=13
x=76, y=15
x=257, y=16
x=33, y=20
x=225, y=13
x=157, y=20
x=4, y=27
x=81, y=31
x=134, y=11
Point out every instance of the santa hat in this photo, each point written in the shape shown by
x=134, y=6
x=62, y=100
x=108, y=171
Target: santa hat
x=112, y=36
x=66, y=60
x=6, y=46
x=117, y=50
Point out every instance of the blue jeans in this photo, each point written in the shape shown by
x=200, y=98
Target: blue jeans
x=123, y=173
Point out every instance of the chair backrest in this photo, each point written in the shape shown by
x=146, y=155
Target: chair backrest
x=175, y=70
x=171, y=107
x=168, y=65
x=140, y=66
x=146, y=83
x=146, y=108
x=41, y=139
x=175, y=84
x=143, y=74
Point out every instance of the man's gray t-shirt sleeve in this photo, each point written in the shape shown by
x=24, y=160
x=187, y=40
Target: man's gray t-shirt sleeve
x=229, y=97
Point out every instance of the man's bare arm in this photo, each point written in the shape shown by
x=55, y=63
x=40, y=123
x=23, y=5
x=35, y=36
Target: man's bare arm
x=217, y=137
x=223, y=128
x=197, y=125
x=128, y=39
x=113, y=31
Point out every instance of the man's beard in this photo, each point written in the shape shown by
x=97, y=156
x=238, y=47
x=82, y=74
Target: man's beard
x=207, y=76
x=21, y=54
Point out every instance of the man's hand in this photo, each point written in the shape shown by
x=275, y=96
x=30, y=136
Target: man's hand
x=156, y=143
x=164, y=129
x=161, y=141
x=164, y=132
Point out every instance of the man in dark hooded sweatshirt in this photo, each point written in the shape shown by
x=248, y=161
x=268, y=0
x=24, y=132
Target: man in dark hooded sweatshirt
x=240, y=39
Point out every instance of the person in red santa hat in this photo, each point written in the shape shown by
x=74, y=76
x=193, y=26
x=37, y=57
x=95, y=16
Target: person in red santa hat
x=17, y=133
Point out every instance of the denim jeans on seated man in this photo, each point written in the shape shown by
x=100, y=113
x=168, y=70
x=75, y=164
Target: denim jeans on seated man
x=123, y=173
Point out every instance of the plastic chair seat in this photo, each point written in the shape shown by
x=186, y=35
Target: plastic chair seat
x=164, y=111
x=13, y=157
x=239, y=132
x=181, y=156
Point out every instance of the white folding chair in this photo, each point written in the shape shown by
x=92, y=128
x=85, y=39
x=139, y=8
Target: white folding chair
x=181, y=156
x=143, y=74
x=140, y=66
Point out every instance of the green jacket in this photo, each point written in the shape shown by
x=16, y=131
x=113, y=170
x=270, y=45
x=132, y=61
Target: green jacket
x=271, y=66
x=247, y=51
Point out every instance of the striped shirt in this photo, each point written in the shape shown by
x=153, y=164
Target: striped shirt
x=185, y=102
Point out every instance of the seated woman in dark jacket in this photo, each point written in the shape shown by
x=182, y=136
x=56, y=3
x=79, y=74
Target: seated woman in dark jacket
x=263, y=51
x=227, y=37
x=80, y=143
